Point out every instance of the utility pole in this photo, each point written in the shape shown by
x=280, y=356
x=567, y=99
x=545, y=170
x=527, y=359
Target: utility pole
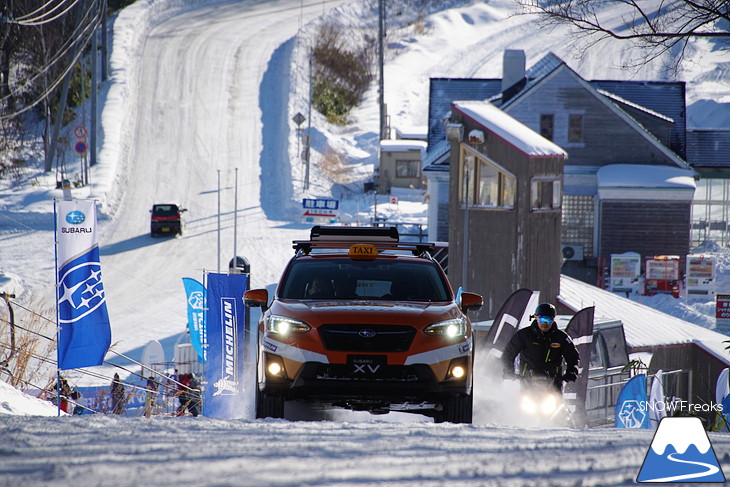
x=94, y=105
x=308, y=140
x=381, y=61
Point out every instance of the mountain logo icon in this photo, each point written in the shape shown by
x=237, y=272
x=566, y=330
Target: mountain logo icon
x=680, y=452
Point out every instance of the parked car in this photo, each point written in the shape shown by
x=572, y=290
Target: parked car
x=166, y=219
x=362, y=321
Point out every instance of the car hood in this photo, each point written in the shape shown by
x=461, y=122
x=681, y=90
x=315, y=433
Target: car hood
x=316, y=313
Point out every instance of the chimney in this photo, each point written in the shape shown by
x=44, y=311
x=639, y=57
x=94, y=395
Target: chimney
x=513, y=68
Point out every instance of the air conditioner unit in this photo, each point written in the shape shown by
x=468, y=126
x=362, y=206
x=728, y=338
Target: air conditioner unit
x=572, y=252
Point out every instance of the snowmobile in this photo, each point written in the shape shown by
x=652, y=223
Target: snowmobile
x=541, y=402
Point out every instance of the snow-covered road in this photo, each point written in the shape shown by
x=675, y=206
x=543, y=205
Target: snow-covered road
x=135, y=452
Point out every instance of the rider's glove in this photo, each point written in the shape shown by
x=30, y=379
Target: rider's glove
x=570, y=377
x=509, y=375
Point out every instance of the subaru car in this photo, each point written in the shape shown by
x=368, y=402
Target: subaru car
x=362, y=321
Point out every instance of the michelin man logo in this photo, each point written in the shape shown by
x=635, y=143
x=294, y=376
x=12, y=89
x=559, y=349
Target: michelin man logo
x=80, y=292
x=225, y=385
x=680, y=452
x=632, y=414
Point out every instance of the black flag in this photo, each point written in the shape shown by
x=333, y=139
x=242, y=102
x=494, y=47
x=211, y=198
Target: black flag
x=506, y=323
x=580, y=330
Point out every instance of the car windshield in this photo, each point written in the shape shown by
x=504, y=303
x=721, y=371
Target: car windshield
x=165, y=210
x=386, y=279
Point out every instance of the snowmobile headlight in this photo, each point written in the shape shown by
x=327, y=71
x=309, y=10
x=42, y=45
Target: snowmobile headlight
x=284, y=326
x=548, y=405
x=449, y=328
x=528, y=405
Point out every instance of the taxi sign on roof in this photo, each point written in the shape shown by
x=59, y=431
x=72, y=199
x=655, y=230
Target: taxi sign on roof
x=363, y=252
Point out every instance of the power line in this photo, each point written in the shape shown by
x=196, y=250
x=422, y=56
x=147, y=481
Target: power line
x=40, y=21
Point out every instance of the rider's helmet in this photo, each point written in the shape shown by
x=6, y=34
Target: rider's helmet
x=545, y=311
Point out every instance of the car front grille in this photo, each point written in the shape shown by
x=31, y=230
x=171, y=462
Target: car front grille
x=367, y=338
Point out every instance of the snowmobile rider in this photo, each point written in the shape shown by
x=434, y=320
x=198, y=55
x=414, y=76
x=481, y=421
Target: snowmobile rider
x=542, y=348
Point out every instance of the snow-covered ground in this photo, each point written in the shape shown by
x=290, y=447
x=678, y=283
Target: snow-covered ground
x=204, y=99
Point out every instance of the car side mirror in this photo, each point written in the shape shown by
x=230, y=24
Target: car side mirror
x=471, y=301
x=256, y=298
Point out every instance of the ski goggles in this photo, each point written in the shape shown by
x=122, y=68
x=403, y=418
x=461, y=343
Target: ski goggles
x=545, y=319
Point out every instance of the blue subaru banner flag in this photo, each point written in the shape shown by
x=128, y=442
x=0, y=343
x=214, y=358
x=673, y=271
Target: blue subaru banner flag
x=226, y=327
x=84, y=332
x=195, y=293
x=632, y=405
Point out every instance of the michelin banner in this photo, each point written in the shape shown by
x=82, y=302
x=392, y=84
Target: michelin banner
x=84, y=332
x=224, y=394
x=195, y=293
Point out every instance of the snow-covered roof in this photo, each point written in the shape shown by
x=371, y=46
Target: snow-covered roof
x=644, y=327
x=635, y=181
x=512, y=131
x=644, y=176
x=412, y=132
x=617, y=98
x=402, y=145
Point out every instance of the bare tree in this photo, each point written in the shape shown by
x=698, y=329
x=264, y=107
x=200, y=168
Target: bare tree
x=656, y=27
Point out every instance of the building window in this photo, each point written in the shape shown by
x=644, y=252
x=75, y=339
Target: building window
x=484, y=183
x=546, y=193
x=547, y=125
x=407, y=169
x=575, y=128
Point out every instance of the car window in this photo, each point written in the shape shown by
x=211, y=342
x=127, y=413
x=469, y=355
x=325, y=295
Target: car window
x=350, y=279
x=164, y=210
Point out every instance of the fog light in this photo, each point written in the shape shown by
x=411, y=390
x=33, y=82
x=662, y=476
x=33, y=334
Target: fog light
x=274, y=368
x=458, y=372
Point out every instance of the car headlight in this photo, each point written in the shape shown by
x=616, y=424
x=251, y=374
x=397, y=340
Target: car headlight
x=284, y=326
x=450, y=328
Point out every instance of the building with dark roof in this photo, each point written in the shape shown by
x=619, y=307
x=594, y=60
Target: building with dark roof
x=599, y=124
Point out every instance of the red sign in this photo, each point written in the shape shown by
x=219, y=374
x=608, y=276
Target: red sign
x=722, y=307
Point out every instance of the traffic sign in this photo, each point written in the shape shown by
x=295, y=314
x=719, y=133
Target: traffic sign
x=80, y=131
x=299, y=118
x=80, y=147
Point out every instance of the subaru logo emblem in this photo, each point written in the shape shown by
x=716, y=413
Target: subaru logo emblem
x=366, y=333
x=75, y=217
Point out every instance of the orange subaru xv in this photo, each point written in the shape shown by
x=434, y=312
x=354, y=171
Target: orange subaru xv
x=363, y=321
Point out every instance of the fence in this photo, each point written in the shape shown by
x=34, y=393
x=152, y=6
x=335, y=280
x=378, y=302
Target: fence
x=604, y=387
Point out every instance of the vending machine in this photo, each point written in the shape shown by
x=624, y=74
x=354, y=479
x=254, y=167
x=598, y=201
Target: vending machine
x=700, y=277
x=661, y=275
x=625, y=273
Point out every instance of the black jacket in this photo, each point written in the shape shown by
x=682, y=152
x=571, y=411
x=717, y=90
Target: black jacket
x=541, y=353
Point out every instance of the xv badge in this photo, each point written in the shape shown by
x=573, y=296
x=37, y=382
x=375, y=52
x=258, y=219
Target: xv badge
x=680, y=452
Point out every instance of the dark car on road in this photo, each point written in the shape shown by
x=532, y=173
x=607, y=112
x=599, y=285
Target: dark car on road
x=166, y=219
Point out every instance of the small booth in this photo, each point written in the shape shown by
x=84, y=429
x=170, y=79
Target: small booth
x=661, y=275
x=625, y=273
x=700, y=277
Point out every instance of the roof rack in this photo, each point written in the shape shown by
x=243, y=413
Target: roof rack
x=415, y=248
x=361, y=234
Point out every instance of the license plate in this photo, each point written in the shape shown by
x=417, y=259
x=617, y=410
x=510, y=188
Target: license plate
x=165, y=229
x=366, y=364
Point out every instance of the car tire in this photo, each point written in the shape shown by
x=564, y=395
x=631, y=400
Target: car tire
x=456, y=409
x=269, y=406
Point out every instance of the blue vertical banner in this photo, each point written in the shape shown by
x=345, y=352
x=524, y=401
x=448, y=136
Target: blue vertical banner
x=195, y=294
x=226, y=327
x=84, y=332
x=632, y=405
